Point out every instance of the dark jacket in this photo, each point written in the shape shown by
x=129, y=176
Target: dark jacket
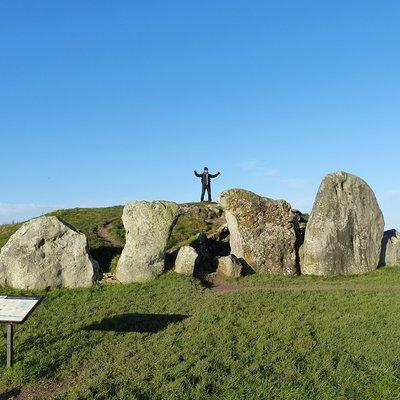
x=206, y=178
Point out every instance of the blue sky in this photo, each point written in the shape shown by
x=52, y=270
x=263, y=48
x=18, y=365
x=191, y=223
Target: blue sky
x=106, y=102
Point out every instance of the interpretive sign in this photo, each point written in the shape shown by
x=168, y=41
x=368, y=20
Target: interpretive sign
x=15, y=310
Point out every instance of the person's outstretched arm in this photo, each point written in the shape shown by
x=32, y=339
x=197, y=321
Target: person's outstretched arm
x=215, y=175
x=198, y=175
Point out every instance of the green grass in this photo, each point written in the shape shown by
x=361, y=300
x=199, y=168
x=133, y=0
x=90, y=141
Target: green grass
x=189, y=226
x=276, y=338
x=88, y=220
x=6, y=230
x=187, y=229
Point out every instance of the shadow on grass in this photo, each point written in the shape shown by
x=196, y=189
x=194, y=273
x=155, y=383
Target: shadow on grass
x=10, y=394
x=132, y=322
x=104, y=255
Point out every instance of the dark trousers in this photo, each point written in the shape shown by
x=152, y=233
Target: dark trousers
x=208, y=188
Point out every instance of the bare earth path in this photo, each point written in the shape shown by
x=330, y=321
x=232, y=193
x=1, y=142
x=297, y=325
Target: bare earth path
x=104, y=233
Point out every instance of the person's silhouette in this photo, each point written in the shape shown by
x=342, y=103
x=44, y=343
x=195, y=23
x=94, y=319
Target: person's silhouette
x=206, y=182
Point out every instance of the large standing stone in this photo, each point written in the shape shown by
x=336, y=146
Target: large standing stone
x=186, y=260
x=148, y=227
x=263, y=232
x=390, y=254
x=47, y=253
x=229, y=266
x=345, y=230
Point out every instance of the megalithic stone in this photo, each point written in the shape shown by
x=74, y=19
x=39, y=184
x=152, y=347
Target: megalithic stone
x=345, y=229
x=148, y=227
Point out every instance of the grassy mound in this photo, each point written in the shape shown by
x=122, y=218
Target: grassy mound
x=103, y=228
x=106, y=234
x=277, y=337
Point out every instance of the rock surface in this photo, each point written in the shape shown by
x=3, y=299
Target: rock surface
x=186, y=260
x=229, y=266
x=148, y=226
x=390, y=254
x=345, y=230
x=263, y=232
x=47, y=253
x=206, y=211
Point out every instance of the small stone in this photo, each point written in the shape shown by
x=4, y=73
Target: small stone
x=229, y=266
x=186, y=260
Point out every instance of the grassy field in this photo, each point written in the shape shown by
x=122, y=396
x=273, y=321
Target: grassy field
x=273, y=338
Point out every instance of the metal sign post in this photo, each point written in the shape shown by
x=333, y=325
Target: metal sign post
x=15, y=310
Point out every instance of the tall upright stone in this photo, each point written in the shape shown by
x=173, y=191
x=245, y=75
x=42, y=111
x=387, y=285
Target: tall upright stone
x=264, y=233
x=47, y=253
x=148, y=227
x=390, y=254
x=345, y=229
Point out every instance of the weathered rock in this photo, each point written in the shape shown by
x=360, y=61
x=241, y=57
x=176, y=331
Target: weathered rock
x=210, y=211
x=229, y=266
x=47, y=253
x=345, y=230
x=263, y=232
x=390, y=254
x=148, y=227
x=221, y=235
x=186, y=260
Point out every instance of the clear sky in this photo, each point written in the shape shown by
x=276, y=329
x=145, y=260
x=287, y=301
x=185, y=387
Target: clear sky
x=102, y=102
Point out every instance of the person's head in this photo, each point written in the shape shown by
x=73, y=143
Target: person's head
x=205, y=169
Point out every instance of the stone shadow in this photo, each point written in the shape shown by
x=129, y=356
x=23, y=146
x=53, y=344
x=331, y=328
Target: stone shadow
x=136, y=322
x=104, y=255
x=387, y=237
x=11, y=394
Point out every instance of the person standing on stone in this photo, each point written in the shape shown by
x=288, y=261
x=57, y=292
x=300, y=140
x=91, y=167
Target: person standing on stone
x=206, y=182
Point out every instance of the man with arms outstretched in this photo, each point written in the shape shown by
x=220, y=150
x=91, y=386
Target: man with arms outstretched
x=206, y=182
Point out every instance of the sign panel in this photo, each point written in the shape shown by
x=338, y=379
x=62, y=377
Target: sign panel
x=16, y=309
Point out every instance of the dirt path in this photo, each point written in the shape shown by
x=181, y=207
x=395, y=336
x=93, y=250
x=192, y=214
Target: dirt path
x=104, y=233
x=217, y=284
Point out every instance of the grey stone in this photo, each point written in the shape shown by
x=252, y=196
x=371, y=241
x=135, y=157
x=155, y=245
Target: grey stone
x=186, y=260
x=229, y=266
x=263, y=232
x=148, y=227
x=390, y=254
x=345, y=230
x=47, y=253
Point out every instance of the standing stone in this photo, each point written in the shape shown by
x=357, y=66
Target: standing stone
x=229, y=266
x=390, y=254
x=186, y=260
x=263, y=232
x=148, y=226
x=47, y=253
x=345, y=230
